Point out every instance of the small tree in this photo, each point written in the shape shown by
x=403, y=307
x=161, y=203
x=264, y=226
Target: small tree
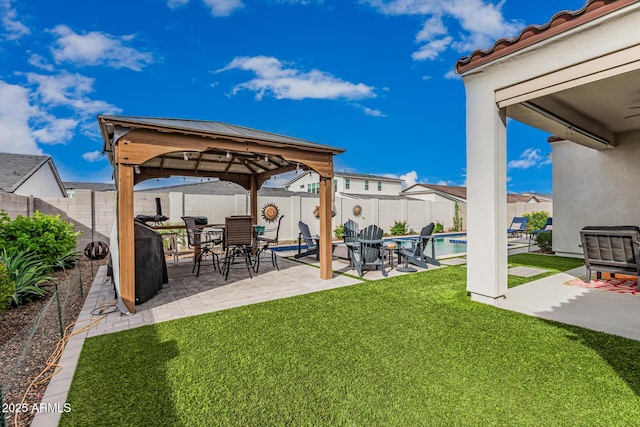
x=537, y=220
x=457, y=219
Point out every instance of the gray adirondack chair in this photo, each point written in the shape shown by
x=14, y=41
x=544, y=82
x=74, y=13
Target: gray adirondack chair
x=350, y=236
x=416, y=253
x=310, y=241
x=368, y=250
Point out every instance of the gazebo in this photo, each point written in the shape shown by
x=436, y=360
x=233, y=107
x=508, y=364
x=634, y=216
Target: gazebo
x=142, y=148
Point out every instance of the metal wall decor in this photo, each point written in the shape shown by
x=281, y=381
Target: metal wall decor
x=357, y=210
x=270, y=212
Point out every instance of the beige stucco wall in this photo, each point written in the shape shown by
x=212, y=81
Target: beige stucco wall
x=595, y=187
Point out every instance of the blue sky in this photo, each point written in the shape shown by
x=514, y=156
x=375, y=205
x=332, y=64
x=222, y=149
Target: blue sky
x=371, y=76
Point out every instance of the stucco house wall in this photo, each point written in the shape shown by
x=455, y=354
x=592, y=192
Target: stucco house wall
x=598, y=187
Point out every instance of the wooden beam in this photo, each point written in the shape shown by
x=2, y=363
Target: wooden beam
x=126, y=239
x=326, y=267
x=253, y=197
x=153, y=173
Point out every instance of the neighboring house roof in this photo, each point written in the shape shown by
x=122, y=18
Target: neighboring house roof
x=223, y=188
x=459, y=193
x=521, y=198
x=348, y=175
x=94, y=186
x=559, y=23
x=16, y=169
x=374, y=196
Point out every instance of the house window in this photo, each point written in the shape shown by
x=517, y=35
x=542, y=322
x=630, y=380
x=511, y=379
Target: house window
x=302, y=186
x=379, y=185
x=366, y=185
x=347, y=183
x=335, y=185
x=309, y=188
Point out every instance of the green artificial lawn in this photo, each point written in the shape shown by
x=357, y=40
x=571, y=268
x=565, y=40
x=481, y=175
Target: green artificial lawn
x=553, y=264
x=409, y=350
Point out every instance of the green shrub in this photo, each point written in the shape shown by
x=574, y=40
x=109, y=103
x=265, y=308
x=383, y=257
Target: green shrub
x=544, y=240
x=338, y=231
x=537, y=220
x=439, y=227
x=68, y=260
x=399, y=228
x=27, y=272
x=7, y=287
x=457, y=219
x=47, y=237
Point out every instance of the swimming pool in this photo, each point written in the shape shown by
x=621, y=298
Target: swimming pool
x=447, y=244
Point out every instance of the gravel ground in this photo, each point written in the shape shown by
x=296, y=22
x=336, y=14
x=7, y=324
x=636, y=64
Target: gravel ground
x=29, y=335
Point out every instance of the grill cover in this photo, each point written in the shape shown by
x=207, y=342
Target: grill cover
x=151, y=267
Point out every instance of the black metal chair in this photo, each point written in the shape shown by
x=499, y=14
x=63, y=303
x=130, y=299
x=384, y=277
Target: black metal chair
x=202, y=243
x=266, y=245
x=238, y=241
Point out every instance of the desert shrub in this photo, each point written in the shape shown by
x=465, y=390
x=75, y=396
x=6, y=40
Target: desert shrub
x=47, y=237
x=27, y=272
x=439, y=227
x=399, y=228
x=7, y=287
x=537, y=220
x=68, y=260
x=544, y=240
x=338, y=231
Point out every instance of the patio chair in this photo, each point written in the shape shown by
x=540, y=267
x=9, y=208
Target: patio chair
x=518, y=226
x=548, y=226
x=311, y=242
x=201, y=243
x=416, y=253
x=368, y=250
x=238, y=241
x=266, y=245
x=611, y=249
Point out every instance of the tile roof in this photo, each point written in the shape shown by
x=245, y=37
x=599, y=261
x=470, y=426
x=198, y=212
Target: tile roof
x=559, y=23
x=15, y=169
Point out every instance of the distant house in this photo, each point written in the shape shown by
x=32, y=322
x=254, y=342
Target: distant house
x=71, y=187
x=30, y=175
x=346, y=184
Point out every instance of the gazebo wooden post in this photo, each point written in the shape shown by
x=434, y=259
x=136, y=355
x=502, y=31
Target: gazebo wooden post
x=326, y=249
x=126, y=239
x=253, y=195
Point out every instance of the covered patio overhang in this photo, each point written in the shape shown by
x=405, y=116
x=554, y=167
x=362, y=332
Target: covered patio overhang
x=576, y=77
x=141, y=148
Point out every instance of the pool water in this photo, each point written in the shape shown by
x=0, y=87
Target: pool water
x=449, y=244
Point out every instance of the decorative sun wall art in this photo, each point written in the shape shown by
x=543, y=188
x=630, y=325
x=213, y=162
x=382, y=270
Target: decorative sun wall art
x=357, y=210
x=270, y=212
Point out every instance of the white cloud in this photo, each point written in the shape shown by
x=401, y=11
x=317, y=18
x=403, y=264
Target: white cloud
x=56, y=131
x=452, y=75
x=97, y=48
x=481, y=22
x=217, y=7
x=272, y=77
x=15, y=113
x=529, y=158
x=409, y=178
x=92, y=156
x=13, y=28
x=39, y=61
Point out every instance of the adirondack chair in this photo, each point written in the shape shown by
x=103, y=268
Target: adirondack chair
x=368, y=250
x=310, y=241
x=350, y=236
x=416, y=253
x=518, y=226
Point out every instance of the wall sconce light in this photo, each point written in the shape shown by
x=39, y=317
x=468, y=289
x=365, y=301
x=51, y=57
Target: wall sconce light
x=186, y=156
x=136, y=169
x=228, y=155
x=266, y=158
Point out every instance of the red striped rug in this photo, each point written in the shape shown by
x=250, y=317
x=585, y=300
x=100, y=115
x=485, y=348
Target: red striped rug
x=621, y=284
